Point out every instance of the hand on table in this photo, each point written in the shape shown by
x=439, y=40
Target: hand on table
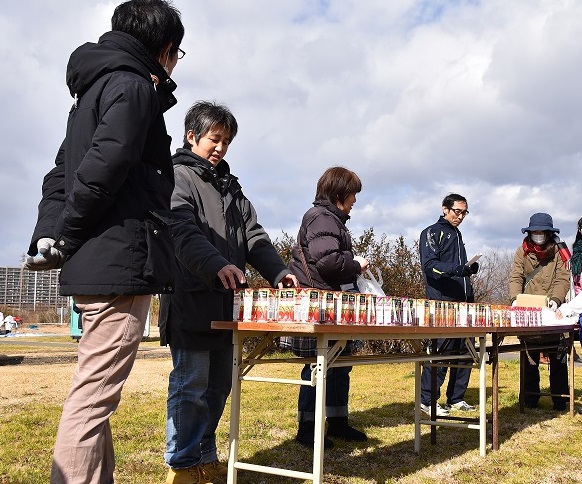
x=288, y=281
x=231, y=276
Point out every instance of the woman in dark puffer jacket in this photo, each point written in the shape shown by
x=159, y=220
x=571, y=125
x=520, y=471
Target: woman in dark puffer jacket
x=323, y=259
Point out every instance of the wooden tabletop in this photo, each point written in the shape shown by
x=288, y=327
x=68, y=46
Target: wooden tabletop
x=387, y=331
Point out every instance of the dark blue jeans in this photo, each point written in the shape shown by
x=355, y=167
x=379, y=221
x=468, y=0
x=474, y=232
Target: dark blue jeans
x=458, y=377
x=199, y=385
x=336, y=394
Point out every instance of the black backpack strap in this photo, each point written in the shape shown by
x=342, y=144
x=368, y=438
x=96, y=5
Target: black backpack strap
x=531, y=275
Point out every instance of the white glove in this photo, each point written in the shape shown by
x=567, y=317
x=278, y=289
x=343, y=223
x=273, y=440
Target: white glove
x=514, y=303
x=553, y=305
x=48, y=257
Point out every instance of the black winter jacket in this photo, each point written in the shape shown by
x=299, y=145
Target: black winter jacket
x=217, y=226
x=327, y=248
x=441, y=252
x=113, y=178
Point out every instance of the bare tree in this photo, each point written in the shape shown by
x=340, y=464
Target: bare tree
x=491, y=283
x=283, y=247
x=398, y=263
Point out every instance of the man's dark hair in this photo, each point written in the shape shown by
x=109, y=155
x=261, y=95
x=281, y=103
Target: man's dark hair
x=451, y=198
x=155, y=23
x=206, y=115
x=336, y=184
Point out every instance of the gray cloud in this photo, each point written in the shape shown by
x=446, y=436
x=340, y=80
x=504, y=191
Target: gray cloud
x=419, y=98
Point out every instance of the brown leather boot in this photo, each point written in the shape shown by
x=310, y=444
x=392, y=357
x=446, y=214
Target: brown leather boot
x=188, y=475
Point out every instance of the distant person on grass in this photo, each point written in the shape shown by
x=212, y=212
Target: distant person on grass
x=447, y=278
x=210, y=265
x=100, y=219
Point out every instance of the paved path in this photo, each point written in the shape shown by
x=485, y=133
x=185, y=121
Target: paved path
x=68, y=353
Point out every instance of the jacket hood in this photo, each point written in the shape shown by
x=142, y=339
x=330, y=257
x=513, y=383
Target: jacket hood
x=116, y=51
x=343, y=216
x=219, y=176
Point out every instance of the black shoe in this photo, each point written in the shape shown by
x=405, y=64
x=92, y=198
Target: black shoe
x=306, y=436
x=561, y=404
x=340, y=428
x=579, y=410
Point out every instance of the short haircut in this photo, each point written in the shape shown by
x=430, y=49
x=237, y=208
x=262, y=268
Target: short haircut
x=336, y=184
x=206, y=115
x=155, y=23
x=451, y=198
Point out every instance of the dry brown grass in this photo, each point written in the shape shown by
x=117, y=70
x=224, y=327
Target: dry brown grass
x=538, y=446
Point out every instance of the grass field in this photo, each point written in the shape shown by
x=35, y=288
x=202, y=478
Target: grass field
x=540, y=446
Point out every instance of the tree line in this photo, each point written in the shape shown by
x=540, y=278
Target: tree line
x=399, y=266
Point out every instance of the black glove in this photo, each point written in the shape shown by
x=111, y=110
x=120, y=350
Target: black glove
x=474, y=267
x=462, y=271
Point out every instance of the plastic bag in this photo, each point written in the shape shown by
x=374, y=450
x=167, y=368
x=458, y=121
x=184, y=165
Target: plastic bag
x=370, y=285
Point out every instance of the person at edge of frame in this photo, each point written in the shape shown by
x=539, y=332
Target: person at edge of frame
x=102, y=219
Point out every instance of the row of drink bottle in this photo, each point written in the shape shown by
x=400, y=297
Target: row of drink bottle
x=314, y=306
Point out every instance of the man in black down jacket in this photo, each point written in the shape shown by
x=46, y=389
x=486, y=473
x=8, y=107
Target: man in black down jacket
x=100, y=218
x=207, y=198
x=446, y=275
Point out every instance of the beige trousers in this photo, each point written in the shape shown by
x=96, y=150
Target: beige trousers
x=113, y=327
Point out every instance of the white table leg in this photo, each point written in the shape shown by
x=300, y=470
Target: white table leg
x=482, y=397
x=320, y=381
x=237, y=340
x=417, y=401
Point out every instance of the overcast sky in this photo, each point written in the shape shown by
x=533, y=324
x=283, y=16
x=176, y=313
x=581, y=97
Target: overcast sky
x=419, y=98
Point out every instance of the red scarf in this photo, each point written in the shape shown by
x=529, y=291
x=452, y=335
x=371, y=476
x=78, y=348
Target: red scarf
x=540, y=251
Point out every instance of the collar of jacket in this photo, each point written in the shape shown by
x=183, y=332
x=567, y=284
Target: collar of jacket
x=344, y=217
x=443, y=221
x=117, y=51
x=219, y=176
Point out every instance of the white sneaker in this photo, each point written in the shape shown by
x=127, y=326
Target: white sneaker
x=462, y=406
x=440, y=411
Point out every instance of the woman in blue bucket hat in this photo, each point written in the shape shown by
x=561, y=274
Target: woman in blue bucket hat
x=540, y=268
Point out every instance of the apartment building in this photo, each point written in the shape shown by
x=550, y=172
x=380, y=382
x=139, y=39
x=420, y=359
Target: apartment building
x=24, y=289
